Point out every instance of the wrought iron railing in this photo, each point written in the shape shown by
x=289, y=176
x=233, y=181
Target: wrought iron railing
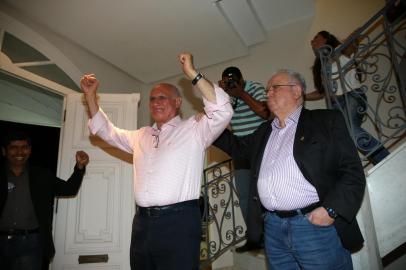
x=220, y=209
x=379, y=62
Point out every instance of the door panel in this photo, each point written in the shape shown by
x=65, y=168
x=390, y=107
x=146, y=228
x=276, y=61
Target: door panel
x=98, y=220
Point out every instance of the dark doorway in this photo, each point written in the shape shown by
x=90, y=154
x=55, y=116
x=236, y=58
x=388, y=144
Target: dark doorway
x=45, y=143
x=45, y=147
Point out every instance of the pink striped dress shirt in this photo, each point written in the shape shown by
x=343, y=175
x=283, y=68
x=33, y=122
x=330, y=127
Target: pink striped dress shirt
x=281, y=184
x=168, y=163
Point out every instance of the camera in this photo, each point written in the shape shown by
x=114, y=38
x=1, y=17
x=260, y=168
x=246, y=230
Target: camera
x=230, y=82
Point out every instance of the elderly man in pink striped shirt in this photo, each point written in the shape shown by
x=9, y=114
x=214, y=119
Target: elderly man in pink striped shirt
x=168, y=163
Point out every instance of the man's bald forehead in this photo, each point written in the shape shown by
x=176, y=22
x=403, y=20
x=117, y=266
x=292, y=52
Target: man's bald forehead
x=167, y=87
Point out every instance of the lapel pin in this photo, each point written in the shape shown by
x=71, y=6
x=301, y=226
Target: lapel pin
x=302, y=138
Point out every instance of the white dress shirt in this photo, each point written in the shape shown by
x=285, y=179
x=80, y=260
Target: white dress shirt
x=168, y=163
x=281, y=184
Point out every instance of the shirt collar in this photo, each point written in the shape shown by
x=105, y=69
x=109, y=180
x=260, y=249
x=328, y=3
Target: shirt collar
x=247, y=85
x=293, y=117
x=296, y=114
x=172, y=123
x=24, y=171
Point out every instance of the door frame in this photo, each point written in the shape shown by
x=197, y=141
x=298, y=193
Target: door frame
x=9, y=68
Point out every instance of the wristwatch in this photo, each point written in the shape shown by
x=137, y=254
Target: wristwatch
x=197, y=78
x=331, y=212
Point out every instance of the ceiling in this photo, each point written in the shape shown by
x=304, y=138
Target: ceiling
x=142, y=37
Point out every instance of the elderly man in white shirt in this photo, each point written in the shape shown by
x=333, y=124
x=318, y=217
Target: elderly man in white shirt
x=168, y=163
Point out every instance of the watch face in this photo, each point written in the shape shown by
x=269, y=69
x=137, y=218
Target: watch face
x=331, y=212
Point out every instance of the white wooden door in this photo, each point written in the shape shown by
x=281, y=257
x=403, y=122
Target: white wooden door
x=98, y=220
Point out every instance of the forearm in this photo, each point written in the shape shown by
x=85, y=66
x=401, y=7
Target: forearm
x=259, y=107
x=72, y=185
x=117, y=137
x=315, y=95
x=92, y=104
x=223, y=142
x=206, y=88
x=232, y=145
x=204, y=85
x=216, y=118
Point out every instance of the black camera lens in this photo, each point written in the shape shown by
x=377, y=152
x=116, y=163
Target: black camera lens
x=230, y=83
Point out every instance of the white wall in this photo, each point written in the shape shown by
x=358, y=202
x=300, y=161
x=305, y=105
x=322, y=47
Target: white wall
x=112, y=78
x=84, y=60
x=288, y=46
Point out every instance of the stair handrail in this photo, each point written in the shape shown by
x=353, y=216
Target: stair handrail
x=221, y=230
x=388, y=121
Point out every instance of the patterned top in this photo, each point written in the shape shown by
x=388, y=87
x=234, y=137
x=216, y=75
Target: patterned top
x=281, y=184
x=245, y=121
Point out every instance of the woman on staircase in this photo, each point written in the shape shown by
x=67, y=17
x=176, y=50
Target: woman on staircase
x=349, y=98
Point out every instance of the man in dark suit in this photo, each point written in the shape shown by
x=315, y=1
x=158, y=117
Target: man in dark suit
x=309, y=180
x=27, y=196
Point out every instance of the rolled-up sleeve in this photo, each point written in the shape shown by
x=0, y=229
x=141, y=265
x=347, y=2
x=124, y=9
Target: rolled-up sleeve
x=217, y=117
x=101, y=126
x=97, y=122
x=222, y=102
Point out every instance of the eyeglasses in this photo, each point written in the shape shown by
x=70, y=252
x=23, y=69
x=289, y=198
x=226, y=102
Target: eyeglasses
x=276, y=86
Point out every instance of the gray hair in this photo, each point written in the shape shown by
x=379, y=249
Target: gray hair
x=295, y=76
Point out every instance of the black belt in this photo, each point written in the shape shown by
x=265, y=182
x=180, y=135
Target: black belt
x=19, y=232
x=296, y=212
x=156, y=211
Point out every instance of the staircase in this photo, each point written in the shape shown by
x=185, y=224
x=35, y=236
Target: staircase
x=382, y=217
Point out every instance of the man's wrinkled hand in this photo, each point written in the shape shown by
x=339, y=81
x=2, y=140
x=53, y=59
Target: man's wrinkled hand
x=320, y=217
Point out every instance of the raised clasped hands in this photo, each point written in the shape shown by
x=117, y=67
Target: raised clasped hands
x=82, y=159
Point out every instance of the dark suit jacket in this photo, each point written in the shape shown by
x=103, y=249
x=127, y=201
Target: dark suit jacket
x=326, y=156
x=44, y=186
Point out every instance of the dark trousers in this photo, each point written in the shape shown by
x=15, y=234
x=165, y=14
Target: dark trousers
x=251, y=210
x=167, y=241
x=20, y=252
x=255, y=220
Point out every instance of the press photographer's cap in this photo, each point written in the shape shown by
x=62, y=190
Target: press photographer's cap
x=232, y=71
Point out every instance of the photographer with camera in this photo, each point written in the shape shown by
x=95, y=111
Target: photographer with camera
x=250, y=110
